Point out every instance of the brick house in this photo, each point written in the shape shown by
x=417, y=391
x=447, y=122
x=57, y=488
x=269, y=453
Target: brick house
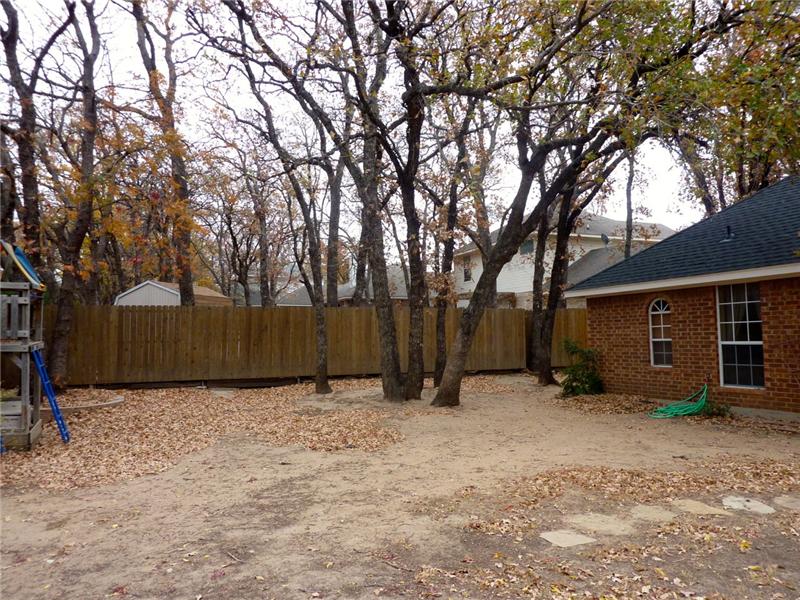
x=718, y=302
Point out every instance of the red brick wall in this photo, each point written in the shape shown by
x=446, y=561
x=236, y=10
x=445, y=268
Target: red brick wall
x=618, y=328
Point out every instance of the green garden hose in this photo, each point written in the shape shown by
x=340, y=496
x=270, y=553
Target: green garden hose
x=693, y=405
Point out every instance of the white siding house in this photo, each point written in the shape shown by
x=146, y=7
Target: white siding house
x=515, y=282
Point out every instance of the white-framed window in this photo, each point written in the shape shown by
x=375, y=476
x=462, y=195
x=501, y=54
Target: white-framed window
x=660, y=333
x=467, y=270
x=741, y=348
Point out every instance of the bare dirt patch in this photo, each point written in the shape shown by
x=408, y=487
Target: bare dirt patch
x=452, y=506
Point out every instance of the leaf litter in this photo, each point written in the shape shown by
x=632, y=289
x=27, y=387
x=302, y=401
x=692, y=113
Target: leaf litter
x=152, y=428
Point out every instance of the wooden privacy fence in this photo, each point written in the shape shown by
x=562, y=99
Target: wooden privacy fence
x=121, y=344
x=570, y=324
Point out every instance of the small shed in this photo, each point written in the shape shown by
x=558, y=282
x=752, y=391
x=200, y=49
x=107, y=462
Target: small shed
x=164, y=293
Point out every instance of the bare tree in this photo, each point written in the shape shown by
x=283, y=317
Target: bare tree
x=165, y=98
x=78, y=195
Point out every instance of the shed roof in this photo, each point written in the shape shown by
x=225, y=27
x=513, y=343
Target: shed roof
x=199, y=290
x=761, y=231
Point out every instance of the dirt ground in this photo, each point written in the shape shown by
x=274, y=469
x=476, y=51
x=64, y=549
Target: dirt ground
x=450, y=504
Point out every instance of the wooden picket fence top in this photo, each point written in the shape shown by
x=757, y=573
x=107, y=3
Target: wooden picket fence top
x=133, y=344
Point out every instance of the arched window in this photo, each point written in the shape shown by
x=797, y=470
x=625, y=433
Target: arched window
x=660, y=333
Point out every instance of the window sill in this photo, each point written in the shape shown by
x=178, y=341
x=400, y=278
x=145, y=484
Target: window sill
x=751, y=388
x=661, y=366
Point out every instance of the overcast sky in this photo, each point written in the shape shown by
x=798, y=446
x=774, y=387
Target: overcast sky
x=659, y=178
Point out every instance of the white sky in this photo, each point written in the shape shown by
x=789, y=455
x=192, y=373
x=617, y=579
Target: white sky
x=658, y=190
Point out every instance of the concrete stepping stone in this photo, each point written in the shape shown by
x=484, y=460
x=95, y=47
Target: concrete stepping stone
x=790, y=502
x=697, y=508
x=566, y=538
x=599, y=523
x=748, y=504
x=652, y=513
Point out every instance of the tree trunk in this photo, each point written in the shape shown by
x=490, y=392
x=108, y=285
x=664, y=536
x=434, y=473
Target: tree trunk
x=332, y=268
x=443, y=298
x=120, y=278
x=694, y=165
x=321, y=385
x=31, y=219
x=629, y=207
x=507, y=245
x=99, y=253
x=73, y=240
x=8, y=193
x=450, y=386
x=182, y=224
x=58, y=351
x=537, y=298
x=416, y=298
x=441, y=340
x=391, y=375
x=543, y=364
x=362, y=280
x=264, y=263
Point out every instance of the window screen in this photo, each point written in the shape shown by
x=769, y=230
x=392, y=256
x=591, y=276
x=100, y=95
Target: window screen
x=740, y=343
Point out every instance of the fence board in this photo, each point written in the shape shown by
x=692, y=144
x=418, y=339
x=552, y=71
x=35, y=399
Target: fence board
x=126, y=344
x=569, y=324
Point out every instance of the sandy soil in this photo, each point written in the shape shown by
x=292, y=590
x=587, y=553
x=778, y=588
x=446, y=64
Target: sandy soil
x=452, y=510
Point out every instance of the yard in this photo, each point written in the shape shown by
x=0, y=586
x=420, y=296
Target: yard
x=278, y=493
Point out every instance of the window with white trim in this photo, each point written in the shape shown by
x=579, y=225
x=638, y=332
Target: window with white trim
x=660, y=333
x=741, y=348
x=467, y=270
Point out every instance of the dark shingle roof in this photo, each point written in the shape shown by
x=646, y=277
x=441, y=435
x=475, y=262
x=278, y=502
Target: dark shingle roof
x=597, y=260
x=764, y=228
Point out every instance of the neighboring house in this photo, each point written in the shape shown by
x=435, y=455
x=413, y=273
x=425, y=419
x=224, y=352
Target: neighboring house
x=718, y=302
x=397, y=289
x=592, y=263
x=163, y=293
x=515, y=282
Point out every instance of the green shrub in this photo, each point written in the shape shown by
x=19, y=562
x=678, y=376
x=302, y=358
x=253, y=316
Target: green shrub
x=716, y=409
x=582, y=376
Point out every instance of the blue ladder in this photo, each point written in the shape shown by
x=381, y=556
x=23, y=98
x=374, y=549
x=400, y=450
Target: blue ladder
x=51, y=395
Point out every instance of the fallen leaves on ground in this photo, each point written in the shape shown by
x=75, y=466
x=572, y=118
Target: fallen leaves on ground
x=607, y=404
x=619, y=404
x=86, y=397
x=152, y=428
x=509, y=563
x=509, y=508
x=488, y=384
x=728, y=473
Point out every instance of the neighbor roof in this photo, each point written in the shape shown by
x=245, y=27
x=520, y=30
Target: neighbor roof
x=764, y=232
x=199, y=290
x=595, y=261
x=597, y=225
x=397, y=289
